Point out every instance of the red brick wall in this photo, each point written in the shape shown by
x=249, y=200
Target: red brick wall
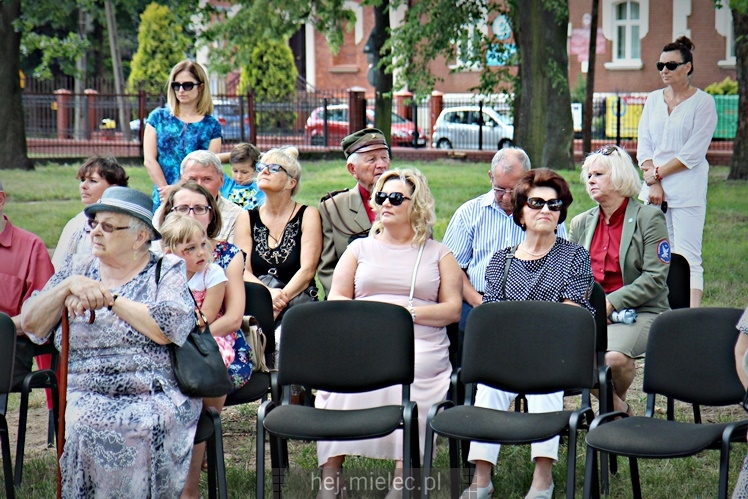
x=710, y=48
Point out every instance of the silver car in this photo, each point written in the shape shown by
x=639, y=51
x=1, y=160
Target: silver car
x=458, y=128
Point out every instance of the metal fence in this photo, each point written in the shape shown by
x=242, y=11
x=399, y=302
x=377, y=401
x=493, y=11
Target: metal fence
x=60, y=123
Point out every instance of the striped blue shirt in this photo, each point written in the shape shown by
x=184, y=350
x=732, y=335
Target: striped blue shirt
x=478, y=229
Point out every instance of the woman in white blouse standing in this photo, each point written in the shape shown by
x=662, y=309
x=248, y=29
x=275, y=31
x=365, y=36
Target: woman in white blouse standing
x=675, y=131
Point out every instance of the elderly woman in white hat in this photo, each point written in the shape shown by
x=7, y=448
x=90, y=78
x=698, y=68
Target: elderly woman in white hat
x=129, y=429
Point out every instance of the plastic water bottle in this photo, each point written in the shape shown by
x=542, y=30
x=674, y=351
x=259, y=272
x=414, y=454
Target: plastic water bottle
x=625, y=316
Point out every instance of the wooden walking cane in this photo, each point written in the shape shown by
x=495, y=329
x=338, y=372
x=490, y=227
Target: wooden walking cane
x=62, y=385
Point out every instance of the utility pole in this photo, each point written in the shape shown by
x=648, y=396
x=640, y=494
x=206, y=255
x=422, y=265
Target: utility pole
x=589, y=107
x=122, y=104
x=80, y=116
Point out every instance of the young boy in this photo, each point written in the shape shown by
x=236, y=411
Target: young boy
x=241, y=187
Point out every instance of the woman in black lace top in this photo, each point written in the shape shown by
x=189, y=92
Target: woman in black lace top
x=282, y=237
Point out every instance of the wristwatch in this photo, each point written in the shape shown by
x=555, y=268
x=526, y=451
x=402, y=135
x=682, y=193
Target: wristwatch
x=114, y=300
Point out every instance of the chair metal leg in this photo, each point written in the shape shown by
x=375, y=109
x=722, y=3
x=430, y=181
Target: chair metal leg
x=724, y=465
x=635, y=482
x=260, y=453
x=590, y=475
x=428, y=458
x=10, y=492
x=217, y=463
x=21, y=442
x=696, y=414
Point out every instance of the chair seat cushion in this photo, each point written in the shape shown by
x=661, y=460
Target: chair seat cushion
x=254, y=389
x=654, y=438
x=490, y=425
x=307, y=423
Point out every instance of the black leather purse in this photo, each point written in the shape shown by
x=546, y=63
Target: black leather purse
x=308, y=295
x=197, y=364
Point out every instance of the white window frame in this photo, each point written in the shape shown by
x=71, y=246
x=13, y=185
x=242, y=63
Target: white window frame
x=723, y=26
x=462, y=65
x=611, y=33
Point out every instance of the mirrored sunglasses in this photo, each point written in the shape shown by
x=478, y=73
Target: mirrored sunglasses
x=538, y=203
x=272, y=168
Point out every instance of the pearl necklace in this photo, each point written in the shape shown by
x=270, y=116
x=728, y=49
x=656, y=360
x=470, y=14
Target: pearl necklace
x=537, y=255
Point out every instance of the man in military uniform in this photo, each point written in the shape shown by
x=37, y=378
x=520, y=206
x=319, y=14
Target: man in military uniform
x=346, y=214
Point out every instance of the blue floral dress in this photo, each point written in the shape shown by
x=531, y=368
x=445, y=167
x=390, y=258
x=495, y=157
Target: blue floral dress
x=129, y=429
x=175, y=139
x=240, y=370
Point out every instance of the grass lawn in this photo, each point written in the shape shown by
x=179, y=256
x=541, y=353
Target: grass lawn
x=42, y=201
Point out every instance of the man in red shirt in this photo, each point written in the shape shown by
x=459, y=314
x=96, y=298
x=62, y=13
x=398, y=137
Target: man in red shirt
x=25, y=267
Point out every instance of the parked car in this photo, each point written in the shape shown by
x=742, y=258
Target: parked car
x=457, y=128
x=337, y=127
x=228, y=113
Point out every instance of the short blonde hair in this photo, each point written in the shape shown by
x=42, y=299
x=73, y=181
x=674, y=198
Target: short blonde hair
x=421, y=210
x=285, y=156
x=177, y=229
x=624, y=175
x=205, y=102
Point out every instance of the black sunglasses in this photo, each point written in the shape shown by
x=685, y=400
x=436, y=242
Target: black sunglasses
x=606, y=150
x=187, y=85
x=672, y=65
x=538, y=203
x=396, y=198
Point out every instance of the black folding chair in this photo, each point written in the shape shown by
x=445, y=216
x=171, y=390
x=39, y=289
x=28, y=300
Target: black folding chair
x=528, y=347
x=347, y=347
x=690, y=357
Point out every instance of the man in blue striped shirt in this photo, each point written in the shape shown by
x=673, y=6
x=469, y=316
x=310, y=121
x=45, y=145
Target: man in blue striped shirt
x=484, y=225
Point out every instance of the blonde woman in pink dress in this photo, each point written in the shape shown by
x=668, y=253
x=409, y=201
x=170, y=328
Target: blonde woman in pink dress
x=380, y=268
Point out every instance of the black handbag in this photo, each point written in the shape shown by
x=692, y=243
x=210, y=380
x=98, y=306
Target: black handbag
x=197, y=364
x=308, y=295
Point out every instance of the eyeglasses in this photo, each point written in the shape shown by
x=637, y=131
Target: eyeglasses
x=503, y=192
x=607, y=150
x=198, y=209
x=105, y=226
x=672, y=65
x=272, y=168
x=538, y=203
x=187, y=85
x=396, y=198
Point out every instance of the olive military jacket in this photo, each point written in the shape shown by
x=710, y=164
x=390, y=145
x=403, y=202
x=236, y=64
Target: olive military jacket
x=644, y=255
x=344, y=219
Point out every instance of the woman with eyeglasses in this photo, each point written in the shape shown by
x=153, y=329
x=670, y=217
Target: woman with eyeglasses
x=282, y=237
x=381, y=268
x=193, y=200
x=543, y=267
x=129, y=429
x=675, y=130
x=630, y=253
x=186, y=126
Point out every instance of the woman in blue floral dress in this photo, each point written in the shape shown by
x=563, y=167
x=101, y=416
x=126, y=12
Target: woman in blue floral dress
x=129, y=429
x=201, y=205
x=186, y=126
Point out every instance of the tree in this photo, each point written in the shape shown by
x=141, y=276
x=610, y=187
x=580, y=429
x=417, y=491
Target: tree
x=272, y=77
x=449, y=29
x=161, y=45
x=543, y=125
x=12, y=131
x=739, y=165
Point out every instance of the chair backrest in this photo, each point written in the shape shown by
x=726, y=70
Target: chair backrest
x=597, y=299
x=690, y=356
x=679, y=282
x=347, y=346
x=7, y=352
x=259, y=303
x=529, y=347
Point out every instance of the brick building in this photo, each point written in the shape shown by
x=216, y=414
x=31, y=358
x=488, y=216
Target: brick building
x=630, y=38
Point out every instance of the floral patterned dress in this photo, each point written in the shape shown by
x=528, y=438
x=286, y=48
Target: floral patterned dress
x=129, y=429
x=175, y=139
x=240, y=369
